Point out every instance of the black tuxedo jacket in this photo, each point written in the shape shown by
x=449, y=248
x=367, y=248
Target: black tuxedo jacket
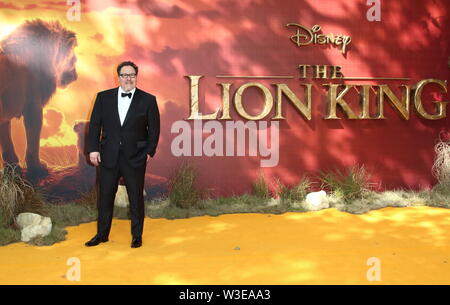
x=138, y=136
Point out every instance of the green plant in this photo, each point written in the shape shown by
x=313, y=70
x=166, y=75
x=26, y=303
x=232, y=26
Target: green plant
x=8, y=235
x=89, y=198
x=441, y=165
x=16, y=195
x=71, y=214
x=183, y=190
x=350, y=185
x=261, y=188
x=57, y=234
x=296, y=193
x=440, y=194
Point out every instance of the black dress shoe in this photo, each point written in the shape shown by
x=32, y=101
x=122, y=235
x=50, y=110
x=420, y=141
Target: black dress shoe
x=96, y=240
x=136, y=242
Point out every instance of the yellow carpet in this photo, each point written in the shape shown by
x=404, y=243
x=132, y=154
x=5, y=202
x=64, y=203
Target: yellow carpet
x=412, y=246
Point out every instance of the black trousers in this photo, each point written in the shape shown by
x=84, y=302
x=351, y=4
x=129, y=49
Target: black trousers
x=134, y=182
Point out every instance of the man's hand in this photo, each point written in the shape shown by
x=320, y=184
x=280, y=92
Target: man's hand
x=94, y=157
x=148, y=157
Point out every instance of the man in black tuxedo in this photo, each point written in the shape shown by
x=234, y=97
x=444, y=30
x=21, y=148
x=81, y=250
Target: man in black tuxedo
x=123, y=135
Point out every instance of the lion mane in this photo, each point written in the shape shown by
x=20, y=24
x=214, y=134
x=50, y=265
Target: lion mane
x=35, y=59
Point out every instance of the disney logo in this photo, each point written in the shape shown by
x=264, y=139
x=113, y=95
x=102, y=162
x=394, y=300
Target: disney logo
x=303, y=36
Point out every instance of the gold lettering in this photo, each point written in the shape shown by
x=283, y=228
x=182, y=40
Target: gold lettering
x=225, y=101
x=320, y=71
x=305, y=110
x=336, y=72
x=402, y=107
x=195, y=79
x=441, y=106
x=304, y=36
x=321, y=39
x=336, y=95
x=334, y=99
x=345, y=42
x=338, y=40
x=364, y=102
x=268, y=101
x=303, y=69
x=297, y=37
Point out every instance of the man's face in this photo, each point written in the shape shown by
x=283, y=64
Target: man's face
x=127, y=78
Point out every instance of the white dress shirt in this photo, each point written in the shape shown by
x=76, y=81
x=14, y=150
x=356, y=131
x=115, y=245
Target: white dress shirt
x=123, y=104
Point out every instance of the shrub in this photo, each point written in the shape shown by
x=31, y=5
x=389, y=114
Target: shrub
x=296, y=193
x=89, y=198
x=440, y=194
x=261, y=188
x=441, y=166
x=350, y=185
x=16, y=195
x=183, y=190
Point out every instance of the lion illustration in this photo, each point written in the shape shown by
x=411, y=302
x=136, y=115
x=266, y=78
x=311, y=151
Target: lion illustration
x=81, y=128
x=35, y=59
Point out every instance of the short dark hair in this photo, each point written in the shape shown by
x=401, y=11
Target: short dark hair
x=127, y=63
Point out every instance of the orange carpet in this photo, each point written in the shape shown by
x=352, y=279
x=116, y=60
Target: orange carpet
x=408, y=245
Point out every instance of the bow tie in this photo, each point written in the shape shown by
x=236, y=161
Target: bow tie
x=126, y=94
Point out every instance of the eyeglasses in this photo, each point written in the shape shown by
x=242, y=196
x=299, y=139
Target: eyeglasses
x=132, y=75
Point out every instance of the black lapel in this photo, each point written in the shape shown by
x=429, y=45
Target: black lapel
x=133, y=106
x=115, y=105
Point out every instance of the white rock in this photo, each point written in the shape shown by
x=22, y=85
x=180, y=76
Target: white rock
x=121, y=199
x=316, y=201
x=155, y=205
x=316, y=198
x=26, y=219
x=33, y=225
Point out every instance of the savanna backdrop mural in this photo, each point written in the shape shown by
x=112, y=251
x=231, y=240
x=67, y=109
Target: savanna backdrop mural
x=380, y=101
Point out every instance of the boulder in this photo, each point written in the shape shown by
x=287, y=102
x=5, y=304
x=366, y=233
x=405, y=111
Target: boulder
x=33, y=225
x=121, y=199
x=316, y=201
x=27, y=219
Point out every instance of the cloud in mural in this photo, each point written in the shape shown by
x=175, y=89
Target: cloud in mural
x=8, y=5
x=29, y=5
x=161, y=9
x=55, y=130
x=98, y=37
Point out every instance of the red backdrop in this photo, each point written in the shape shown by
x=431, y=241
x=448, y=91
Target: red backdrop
x=171, y=39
